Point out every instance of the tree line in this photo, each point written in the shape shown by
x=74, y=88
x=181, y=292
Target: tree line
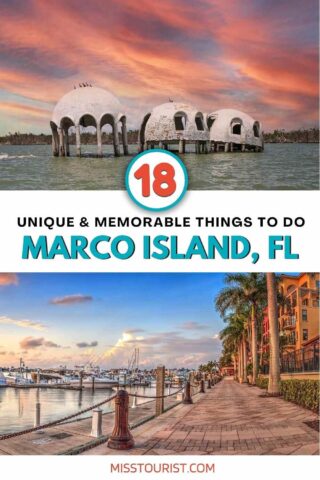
x=310, y=135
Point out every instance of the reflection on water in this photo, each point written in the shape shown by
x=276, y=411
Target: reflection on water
x=280, y=166
x=17, y=406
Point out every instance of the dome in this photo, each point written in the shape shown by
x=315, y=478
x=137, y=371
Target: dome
x=83, y=103
x=233, y=126
x=174, y=121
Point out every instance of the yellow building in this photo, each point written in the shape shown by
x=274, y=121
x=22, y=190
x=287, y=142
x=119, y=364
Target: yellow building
x=299, y=317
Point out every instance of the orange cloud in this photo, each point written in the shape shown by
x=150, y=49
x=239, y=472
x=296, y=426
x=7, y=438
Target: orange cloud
x=8, y=279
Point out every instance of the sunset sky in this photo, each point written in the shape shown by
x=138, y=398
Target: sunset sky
x=58, y=319
x=259, y=56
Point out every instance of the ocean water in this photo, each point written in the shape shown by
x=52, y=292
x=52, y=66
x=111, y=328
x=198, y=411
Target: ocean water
x=279, y=167
x=17, y=406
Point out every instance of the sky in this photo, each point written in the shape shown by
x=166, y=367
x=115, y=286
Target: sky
x=52, y=319
x=259, y=56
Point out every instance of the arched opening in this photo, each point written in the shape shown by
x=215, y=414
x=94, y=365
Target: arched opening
x=67, y=127
x=142, y=138
x=210, y=121
x=55, y=139
x=256, y=129
x=180, y=121
x=87, y=130
x=199, y=121
x=107, y=126
x=236, y=126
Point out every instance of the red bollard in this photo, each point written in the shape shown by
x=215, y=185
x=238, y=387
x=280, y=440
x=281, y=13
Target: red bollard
x=187, y=394
x=209, y=383
x=202, y=390
x=121, y=438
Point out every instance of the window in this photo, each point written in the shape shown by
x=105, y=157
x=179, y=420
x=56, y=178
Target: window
x=318, y=283
x=199, y=121
x=180, y=120
x=304, y=315
x=305, y=302
x=305, y=285
x=305, y=335
x=236, y=129
x=256, y=129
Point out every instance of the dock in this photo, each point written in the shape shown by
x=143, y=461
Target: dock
x=75, y=437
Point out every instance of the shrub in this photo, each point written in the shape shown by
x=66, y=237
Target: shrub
x=302, y=392
x=262, y=382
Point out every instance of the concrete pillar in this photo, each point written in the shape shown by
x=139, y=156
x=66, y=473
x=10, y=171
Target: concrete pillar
x=37, y=415
x=61, y=143
x=145, y=146
x=99, y=141
x=169, y=389
x=243, y=147
x=231, y=147
x=124, y=137
x=197, y=146
x=182, y=146
x=160, y=145
x=160, y=375
x=116, y=140
x=134, y=402
x=96, y=429
x=78, y=141
x=226, y=147
x=55, y=143
x=121, y=438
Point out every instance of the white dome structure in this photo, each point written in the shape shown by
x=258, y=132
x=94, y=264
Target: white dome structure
x=87, y=106
x=232, y=130
x=172, y=123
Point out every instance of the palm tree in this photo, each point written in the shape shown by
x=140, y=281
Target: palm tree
x=274, y=362
x=233, y=337
x=244, y=290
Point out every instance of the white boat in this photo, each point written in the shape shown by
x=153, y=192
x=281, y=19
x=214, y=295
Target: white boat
x=3, y=381
x=16, y=379
x=87, y=382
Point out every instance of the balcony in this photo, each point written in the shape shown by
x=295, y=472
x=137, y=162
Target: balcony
x=289, y=323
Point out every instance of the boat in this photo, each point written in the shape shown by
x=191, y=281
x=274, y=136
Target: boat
x=3, y=381
x=17, y=379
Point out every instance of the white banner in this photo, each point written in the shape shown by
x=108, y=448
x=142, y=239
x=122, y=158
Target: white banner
x=106, y=231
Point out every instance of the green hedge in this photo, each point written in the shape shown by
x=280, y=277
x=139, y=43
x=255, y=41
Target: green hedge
x=302, y=392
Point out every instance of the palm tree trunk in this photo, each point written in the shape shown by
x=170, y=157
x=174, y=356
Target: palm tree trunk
x=274, y=365
x=254, y=339
x=245, y=361
x=240, y=368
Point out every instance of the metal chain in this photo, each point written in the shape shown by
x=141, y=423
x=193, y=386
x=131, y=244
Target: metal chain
x=56, y=422
x=155, y=396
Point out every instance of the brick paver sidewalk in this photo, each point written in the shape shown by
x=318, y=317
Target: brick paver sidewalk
x=230, y=419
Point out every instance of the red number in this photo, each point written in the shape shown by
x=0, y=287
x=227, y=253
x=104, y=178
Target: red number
x=164, y=184
x=164, y=174
x=143, y=173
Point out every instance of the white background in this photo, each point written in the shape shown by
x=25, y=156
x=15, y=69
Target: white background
x=305, y=241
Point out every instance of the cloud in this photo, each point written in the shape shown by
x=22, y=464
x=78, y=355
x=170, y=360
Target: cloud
x=204, y=52
x=29, y=343
x=132, y=331
x=194, y=326
x=8, y=279
x=87, y=345
x=22, y=323
x=71, y=299
x=3, y=353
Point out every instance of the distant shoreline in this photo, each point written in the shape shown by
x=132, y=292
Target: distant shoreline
x=277, y=136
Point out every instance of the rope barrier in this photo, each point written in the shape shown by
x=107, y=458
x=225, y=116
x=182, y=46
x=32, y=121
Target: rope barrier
x=155, y=396
x=55, y=422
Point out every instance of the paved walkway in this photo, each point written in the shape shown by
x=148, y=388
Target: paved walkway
x=230, y=419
